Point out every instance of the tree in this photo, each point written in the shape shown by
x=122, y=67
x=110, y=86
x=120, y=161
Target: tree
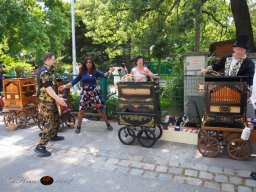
x=242, y=20
x=154, y=28
x=29, y=29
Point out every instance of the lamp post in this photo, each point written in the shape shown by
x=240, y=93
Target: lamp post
x=73, y=41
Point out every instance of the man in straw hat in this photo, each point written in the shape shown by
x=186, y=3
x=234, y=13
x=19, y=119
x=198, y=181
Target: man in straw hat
x=236, y=64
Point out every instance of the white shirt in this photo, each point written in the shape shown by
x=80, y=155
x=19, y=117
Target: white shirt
x=253, y=97
x=233, y=62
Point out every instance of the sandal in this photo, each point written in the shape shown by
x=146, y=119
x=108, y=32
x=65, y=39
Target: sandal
x=78, y=129
x=110, y=128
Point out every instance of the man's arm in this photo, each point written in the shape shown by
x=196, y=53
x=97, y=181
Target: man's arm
x=47, y=84
x=58, y=99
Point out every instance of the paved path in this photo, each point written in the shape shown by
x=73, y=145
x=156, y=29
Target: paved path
x=95, y=160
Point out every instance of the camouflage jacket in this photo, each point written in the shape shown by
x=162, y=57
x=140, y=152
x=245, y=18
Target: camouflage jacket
x=46, y=78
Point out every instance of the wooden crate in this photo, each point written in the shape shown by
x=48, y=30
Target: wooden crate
x=19, y=92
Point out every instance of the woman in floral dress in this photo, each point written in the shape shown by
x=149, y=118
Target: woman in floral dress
x=90, y=97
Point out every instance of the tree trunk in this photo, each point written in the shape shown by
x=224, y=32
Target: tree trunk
x=242, y=21
x=198, y=27
x=198, y=20
x=159, y=67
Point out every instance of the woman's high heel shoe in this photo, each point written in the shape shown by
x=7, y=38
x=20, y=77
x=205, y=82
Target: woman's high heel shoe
x=78, y=129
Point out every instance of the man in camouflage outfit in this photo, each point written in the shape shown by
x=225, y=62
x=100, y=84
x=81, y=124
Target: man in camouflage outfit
x=47, y=99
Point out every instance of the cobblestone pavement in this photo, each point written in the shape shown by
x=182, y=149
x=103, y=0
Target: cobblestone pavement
x=166, y=161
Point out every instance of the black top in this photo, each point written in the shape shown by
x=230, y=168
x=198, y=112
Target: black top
x=246, y=69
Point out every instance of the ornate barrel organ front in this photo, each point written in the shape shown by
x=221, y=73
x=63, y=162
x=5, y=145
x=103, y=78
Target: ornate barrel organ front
x=138, y=103
x=19, y=92
x=225, y=101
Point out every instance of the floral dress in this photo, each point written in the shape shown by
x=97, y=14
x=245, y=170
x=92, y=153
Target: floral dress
x=140, y=76
x=90, y=96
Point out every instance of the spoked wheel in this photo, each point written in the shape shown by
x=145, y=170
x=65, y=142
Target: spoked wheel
x=146, y=138
x=126, y=135
x=22, y=119
x=9, y=117
x=203, y=133
x=209, y=146
x=35, y=116
x=239, y=149
x=40, y=122
x=158, y=131
x=61, y=125
x=69, y=120
x=28, y=118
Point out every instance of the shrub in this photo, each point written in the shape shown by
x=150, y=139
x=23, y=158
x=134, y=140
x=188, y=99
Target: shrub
x=172, y=94
x=75, y=101
x=19, y=67
x=112, y=104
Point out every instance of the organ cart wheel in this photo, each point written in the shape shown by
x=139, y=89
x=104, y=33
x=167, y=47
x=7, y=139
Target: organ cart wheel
x=126, y=135
x=239, y=149
x=69, y=120
x=41, y=123
x=203, y=133
x=209, y=146
x=61, y=127
x=148, y=140
x=28, y=117
x=35, y=116
x=158, y=131
x=21, y=119
x=9, y=117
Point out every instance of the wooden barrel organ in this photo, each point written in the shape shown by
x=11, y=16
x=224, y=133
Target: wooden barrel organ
x=20, y=101
x=139, y=112
x=224, y=118
x=225, y=101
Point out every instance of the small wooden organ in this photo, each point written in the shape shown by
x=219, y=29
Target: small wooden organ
x=19, y=92
x=225, y=101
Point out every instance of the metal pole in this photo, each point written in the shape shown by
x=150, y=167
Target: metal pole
x=73, y=41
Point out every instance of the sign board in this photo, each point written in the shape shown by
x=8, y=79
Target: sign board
x=194, y=64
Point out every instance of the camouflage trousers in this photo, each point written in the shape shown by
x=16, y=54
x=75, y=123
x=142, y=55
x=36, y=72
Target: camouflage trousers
x=50, y=113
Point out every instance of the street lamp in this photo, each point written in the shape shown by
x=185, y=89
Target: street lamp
x=73, y=41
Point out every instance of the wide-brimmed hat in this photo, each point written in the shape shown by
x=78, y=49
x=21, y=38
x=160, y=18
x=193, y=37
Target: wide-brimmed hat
x=241, y=41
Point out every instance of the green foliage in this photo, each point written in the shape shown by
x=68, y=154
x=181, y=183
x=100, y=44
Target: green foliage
x=155, y=29
x=112, y=104
x=29, y=29
x=75, y=97
x=61, y=68
x=212, y=60
x=19, y=66
x=165, y=104
x=113, y=31
x=172, y=94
